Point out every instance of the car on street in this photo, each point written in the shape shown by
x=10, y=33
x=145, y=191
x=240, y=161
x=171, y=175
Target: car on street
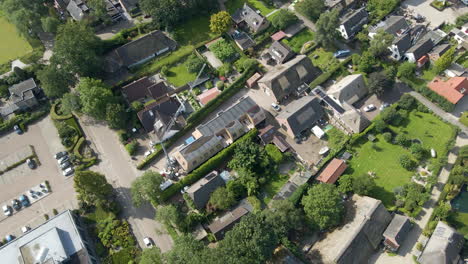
x=24, y=200
x=342, y=53
x=9, y=238
x=18, y=130
x=369, y=108
x=16, y=204
x=31, y=163
x=60, y=154
x=148, y=242
x=68, y=171
x=25, y=229
x=7, y=210
x=65, y=165
x=276, y=107
x=63, y=159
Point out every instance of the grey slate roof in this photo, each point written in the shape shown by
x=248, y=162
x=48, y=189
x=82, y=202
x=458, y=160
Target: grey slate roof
x=142, y=48
x=226, y=222
x=393, y=25
x=443, y=247
x=22, y=91
x=403, y=43
x=350, y=89
x=355, y=120
x=284, y=78
x=440, y=49
x=144, y=88
x=201, y=191
x=354, y=20
x=77, y=9
x=244, y=41
x=421, y=48
x=398, y=229
x=250, y=16
x=302, y=113
x=162, y=110
x=280, y=52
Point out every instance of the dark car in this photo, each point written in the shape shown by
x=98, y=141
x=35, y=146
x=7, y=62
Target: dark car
x=60, y=154
x=31, y=163
x=65, y=165
x=18, y=130
x=24, y=200
x=16, y=204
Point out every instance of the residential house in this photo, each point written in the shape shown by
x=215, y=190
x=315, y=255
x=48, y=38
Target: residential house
x=456, y=70
x=288, y=78
x=159, y=114
x=438, y=51
x=269, y=135
x=400, y=29
x=214, y=135
x=350, y=89
x=454, y=89
x=78, y=9
x=396, y=232
x=243, y=40
x=61, y=239
x=358, y=239
x=61, y=5
x=300, y=115
x=419, y=50
x=444, y=246
x=333, y=171
x=352, y=22
x=352, y=121
x=280, y=52
x=201, y=191
x=208, y=95
x=139, y=51
x=24, y=94
x=145, y=89
x=461, y=36
x=226, y=222
x=248, y=17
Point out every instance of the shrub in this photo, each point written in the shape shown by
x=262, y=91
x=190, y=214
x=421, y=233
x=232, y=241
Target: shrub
x=54, y=211
x=283, y=18
x=406, y=162
x=406, y=70
x=419, y=246
x=407, y=102
x=402, y=140
x=46, y=217
x=220, y=85
x=194, y=63
x=380, y=125
x=389, y=114
x=209, y=85
x=164, y=70
x=255, y=202
x=123, y=136
x=197, y=91
x=274, y=153
x=132, y=147
x=225, y=69
x=223, y=50
x=137, y=106
x=387, y=136
x=418, y=151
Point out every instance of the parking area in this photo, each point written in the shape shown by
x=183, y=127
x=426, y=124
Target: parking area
x=43, y=137
x=432, y=15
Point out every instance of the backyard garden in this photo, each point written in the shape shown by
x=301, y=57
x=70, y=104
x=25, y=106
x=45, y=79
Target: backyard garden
x=13, y=45
x=297, y=41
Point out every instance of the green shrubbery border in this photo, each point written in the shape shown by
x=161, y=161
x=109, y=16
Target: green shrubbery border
x=24, y=119
x=326, y=75
x=16, y=164
x=56, y=116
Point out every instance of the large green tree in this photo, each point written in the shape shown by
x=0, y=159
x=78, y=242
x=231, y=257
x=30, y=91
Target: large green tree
x=220, y=22
x=146, y=188
x=55, y=82
x=76, y=50
x=165, y=13
x=94, y=97
x=116, y=116
x=168, y=215
x=222, y=199
x=380, y=42
x=378, y=9
x=326, y=28
x=283, y=217
x=406, y=70
x=363, y=184
x=50, y=24
x=70, y=103
x=323, y=206
x=444, y=61
x=312, y=9
x=99, y=10
x=186, y=249
x=283, y=18
x=24, y=14
x=92, y=187
x=151, y=256
x=378, y=82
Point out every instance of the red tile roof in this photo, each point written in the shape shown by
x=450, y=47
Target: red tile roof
x=333, y=171
x=208, y=95
x=453, y=90
x=278, y=35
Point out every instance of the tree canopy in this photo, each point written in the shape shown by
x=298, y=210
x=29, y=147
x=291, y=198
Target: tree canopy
x=146, y=188
x=70, y=102
x=406, y=70
x=363, y=184
x=326, y=27
x=379, y=44
x=220, y=22
x=92, y=187
x=312, y=9
x=151, y=256
x=222, y=199
x=94, y=97
x=323, y=206
x=25, y=14
x=283, y=216
x=378, y=82
x=55, y=82
x=116, y=116
x=283, y=18
x=445, y=60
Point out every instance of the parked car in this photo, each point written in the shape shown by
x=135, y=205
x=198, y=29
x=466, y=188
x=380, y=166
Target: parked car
x=24, y=200
x=276, y=107
x=7, y=210
x=342, y=53
x=25, y=229
x=16, y=204
x=31, y=163
x=148, y=242
x=60, y=154
x=384, y=105
x=9, y=238
x=149, y=152
x=18, y=130
x=68, y=171
x=369, y=108
x=63, y=159
x=65, y=165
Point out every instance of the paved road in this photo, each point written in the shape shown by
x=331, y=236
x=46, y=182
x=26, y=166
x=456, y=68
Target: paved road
x=407, y=249
x=438, y=111
x=117, y=166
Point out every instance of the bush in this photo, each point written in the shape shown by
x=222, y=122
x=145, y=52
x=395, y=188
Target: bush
x=406, y=162
x=223, y=50
x=137, y=106
x=402, y=140
x=387, y=136
x=407, y=102
x=54, y=211
x=46, y=217
x=225, y=69
x=123, y=136
x=380, y=125
x=132, y=147
x=406, y=70
x=283, y=18
x=220, y=85
x=194, y=63
x=274, y=153
x=164, y=70
x=255, y=202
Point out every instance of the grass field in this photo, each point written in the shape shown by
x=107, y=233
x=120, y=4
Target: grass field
x=273, y=186
x=323, y=59
x=296, y=42
x=194, y=31
x=383, y=158
x=233, y=5
x=179, y=76
x=12, y=45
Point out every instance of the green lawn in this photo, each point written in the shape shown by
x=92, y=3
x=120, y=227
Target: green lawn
x=464, y=118
x=233, y=5
x=383, y=158
x=459, y=220
x=172, y=58
x=179, y=76
x=296, y=42
x=273, y=186
x=323, y=59
x=12, y=45
x=194, y=31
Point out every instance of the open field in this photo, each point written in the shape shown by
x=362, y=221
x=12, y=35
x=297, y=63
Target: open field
x=12, y=46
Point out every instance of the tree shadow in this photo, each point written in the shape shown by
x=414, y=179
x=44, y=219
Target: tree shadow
x=123, y=197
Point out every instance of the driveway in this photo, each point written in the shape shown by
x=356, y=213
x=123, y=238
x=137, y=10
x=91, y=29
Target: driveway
x=117, y=166
x=44, y=138
x=434, y=16
x=408, y=247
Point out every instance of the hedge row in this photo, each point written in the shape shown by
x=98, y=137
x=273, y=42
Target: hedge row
x=77, y=147
x=16, y=164
x=197, y=117
x=431, y=96
x=207, y=167
x=23, y=119
x=326, y=75
x=56, y=116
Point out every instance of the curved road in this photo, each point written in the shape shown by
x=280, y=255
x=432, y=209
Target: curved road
x=116, y=165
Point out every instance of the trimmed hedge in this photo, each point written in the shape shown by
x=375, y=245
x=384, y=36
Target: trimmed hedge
x=326, y=75
x=197, y=117
x=23, y=119
x=207, y=167
x=56, y=116
x=77, y=147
